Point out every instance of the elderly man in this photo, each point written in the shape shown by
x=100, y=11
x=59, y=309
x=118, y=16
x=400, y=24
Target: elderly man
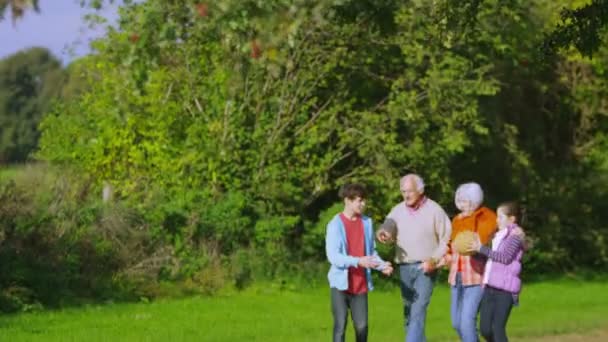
x=421, y=229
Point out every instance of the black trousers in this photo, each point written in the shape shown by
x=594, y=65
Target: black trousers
x=494, y=312
x=341, y=302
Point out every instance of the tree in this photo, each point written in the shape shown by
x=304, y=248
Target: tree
x=581, y=27
x=280, y=101
x=254, y=112
x=29, y=81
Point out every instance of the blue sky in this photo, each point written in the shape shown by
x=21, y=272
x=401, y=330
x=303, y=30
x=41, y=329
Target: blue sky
x=60, y=27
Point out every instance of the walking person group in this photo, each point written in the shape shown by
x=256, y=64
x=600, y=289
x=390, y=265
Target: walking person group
x=483, y=274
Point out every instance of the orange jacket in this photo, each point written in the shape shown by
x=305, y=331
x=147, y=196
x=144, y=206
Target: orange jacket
x=482, y=221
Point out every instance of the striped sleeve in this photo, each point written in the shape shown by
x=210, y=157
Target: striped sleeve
x=511, y=246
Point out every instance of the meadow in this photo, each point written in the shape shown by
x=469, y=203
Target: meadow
x=548, y=310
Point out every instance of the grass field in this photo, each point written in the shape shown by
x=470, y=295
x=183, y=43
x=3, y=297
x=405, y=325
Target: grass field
x=547, y=309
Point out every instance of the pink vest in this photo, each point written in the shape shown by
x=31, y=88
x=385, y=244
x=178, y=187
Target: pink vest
x=506, y=277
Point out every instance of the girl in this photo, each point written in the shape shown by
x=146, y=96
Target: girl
x=501, y=280
x=466, y=272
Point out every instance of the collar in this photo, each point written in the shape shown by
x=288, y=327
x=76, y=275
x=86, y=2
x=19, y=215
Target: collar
x=414, y=208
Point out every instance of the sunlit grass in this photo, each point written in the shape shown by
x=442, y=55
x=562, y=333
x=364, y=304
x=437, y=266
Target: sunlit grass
x=260, y=314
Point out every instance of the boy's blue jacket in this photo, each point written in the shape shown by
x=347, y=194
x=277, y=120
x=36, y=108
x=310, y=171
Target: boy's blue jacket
x=335, y=249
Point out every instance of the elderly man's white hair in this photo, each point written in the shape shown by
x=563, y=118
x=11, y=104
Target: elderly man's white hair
x=416, y=178
x=469, y=192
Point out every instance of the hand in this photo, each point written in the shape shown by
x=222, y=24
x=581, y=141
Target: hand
x=368, y=262
x=388, y=269
x=441, y=262
x=383, y=236
x=427, y=266
x=475, y=245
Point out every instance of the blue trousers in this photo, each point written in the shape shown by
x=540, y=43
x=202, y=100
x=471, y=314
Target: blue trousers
x=416, y=290
x=464, y=309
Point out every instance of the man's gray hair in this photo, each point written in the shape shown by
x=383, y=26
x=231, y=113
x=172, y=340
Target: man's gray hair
x=416, y=178
x=469, y=192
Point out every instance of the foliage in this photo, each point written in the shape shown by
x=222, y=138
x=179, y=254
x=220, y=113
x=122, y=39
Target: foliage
x=29, y=81
x=235, y=101
x=583, y=27
x=226, y=128
x=56, y=247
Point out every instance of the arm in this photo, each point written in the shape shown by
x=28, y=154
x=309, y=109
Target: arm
x=446, y=260
x=382, y=264
x=443, y=231
x=512, y=245
x=379, y=265
x=335, y=256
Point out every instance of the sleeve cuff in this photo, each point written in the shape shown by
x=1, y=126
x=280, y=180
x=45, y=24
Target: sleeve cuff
x=485, y=250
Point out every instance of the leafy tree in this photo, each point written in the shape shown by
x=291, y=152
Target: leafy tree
x=29, y=81
x=582, y=27
x=546, y=125
x=274, y=100
x=254, y=112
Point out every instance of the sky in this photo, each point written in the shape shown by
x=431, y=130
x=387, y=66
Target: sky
x=60, y=27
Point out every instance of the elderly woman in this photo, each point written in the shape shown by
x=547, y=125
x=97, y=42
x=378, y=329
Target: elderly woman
x=466, y=272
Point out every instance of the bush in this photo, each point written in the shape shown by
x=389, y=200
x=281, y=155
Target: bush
x=59, y=243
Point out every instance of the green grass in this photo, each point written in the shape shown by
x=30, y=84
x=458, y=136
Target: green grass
x=273, y=315
x=9, y=172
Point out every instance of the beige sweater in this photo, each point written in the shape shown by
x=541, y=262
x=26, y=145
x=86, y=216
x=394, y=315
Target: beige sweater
x=421, y=234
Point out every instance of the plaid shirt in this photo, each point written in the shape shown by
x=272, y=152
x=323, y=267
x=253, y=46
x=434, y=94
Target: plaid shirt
x=482, y=221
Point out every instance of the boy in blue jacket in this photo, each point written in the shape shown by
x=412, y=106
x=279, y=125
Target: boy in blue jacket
x=351, y=251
